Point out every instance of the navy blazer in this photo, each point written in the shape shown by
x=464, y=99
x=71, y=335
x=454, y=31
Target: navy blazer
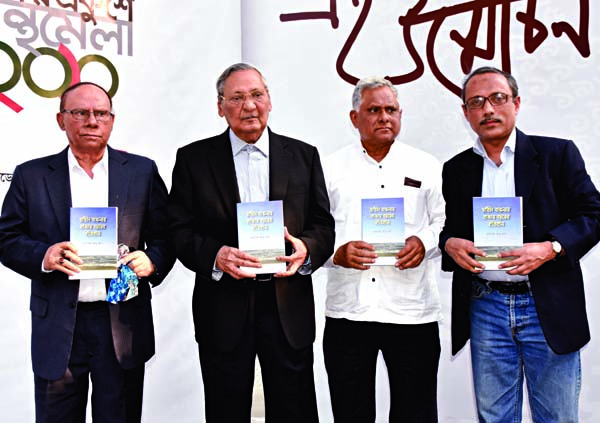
x=35, y=215
x=559, y=202
x=202, y=219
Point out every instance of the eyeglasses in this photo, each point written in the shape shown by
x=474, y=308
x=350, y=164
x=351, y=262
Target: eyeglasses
x=83, y=115
x=237, y=100
x=478, y=102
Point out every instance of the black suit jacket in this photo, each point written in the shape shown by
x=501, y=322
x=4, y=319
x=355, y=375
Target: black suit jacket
x=559, y=202
x=202, y=219
x=35, y=215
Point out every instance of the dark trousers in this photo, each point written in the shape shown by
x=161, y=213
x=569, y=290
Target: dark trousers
x=287, y=373
x=411, y=354
x=116, y=393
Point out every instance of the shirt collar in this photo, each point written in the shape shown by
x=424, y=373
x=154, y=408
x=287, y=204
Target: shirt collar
x=510, y=146
x=237, y=144
x=370, y=159
x=101, y=166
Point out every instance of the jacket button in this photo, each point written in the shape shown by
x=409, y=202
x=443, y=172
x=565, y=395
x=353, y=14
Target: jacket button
x=72, y=304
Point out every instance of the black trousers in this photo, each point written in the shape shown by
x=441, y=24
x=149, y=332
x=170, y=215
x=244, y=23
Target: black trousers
x=287, y=373
x=411, y=354
x=116, y=394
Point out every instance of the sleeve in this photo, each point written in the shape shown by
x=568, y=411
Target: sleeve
x=319, y=231
x=196, y=250
x=429, y=235
x=456, y=216
x=18, y=251
x=155, y=229
x=580, y=204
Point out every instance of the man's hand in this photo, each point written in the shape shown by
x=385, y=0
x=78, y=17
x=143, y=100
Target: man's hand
x=527, y=259
x=295, y=260
x=355, y=255
x=411, y=255
x=459, y=249
x=62, y=257
x=230, y=259
x=140, y=263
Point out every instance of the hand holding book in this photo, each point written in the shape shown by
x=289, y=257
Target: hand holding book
x=296, y=259
x=412, y=254
x=461, y=251
x=523, y=261
x=62, y=257
x=236, y=262
x=355, y=255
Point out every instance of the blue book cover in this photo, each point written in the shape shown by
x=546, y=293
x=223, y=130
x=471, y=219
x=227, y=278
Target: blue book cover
x=260, y=234
x=94, y=233
x=497, y=226
x=383, y=227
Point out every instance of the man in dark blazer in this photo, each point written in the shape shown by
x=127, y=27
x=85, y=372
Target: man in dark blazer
x=75, y=331
x=528, y=319
x=237, y=314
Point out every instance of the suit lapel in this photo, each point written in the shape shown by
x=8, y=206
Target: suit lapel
x=526, y=167
x=223, y=169
x=59, y=191
x=119, y=178
x=119, y=181
x=279, y=166
x=471, y=175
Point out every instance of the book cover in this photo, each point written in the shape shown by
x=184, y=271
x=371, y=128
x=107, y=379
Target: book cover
x=383, y=227
x=497, y=226
x=94, y=233
x=260, y=234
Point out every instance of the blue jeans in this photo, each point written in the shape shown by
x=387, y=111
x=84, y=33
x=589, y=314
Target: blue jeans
x=508, y=346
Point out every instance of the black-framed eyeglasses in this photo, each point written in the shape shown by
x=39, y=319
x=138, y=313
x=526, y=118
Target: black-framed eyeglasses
x=257, y=96
x=84, y=115
x=478, y=102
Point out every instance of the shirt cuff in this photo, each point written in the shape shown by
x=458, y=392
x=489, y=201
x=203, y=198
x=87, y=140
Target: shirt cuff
x=44, y=270
x=306, y=268
x=216, y=273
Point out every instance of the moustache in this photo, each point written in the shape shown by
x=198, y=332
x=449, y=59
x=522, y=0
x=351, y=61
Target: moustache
x=487, y=120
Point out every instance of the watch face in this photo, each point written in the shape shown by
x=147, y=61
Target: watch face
x=556, y=247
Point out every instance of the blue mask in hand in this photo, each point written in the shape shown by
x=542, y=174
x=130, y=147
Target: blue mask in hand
x=125, y=286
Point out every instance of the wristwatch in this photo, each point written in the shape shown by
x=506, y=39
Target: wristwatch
x=556, y=247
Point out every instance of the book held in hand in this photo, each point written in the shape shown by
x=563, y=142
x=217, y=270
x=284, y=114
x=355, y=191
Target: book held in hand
x=497, y=226
x=383, y=227
x=260, y=234
x=94, y=233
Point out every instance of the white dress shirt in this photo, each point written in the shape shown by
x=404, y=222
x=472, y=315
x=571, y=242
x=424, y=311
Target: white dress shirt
x=499, y=181
x=251, y=163
x=89, y=192
x=251, y=167
x=384, y=293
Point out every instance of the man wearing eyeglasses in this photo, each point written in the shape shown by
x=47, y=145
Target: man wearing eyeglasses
x=528, y=319
x=76, y=332
x=238, y=314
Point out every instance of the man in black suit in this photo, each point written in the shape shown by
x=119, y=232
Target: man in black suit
x=75, y=331
x=527, y=319
x=237, y=314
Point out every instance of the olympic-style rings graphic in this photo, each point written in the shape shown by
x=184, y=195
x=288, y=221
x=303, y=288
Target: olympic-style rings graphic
x=72, y=70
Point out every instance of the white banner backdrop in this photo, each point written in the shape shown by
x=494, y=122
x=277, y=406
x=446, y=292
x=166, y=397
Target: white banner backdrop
x=167, y=59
